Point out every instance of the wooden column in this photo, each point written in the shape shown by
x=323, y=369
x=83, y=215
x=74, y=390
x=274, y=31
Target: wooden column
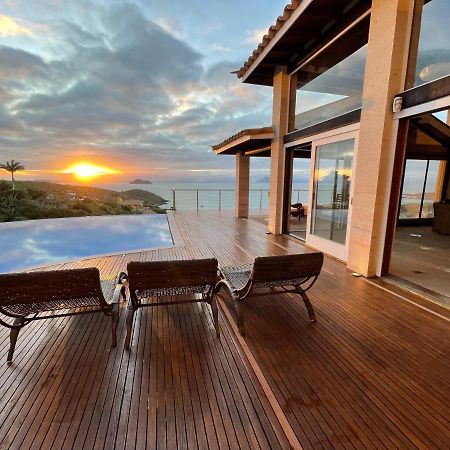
x=283, y=101
x=242, y=184
x=385, y=74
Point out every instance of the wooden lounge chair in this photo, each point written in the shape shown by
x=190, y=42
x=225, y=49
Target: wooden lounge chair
x=149, y=281
x=30, y=296
x=292, y=273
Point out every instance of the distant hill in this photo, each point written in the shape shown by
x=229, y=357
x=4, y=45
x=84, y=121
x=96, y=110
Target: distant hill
x=140, y=181
x=264, y=179
x=149, y=198
x=42, y=200
x=92, y=192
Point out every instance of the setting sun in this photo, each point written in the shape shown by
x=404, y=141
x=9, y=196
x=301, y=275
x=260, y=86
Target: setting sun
x=84, y=171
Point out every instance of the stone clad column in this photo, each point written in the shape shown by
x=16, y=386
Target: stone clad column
x=242, y=184
x=385, y=74
x=283, y=98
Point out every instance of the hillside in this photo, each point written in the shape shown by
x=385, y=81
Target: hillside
x=41, y=200
x=139, y=194
x=94, y=193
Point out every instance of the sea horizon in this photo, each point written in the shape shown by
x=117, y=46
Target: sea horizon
x=186, y=195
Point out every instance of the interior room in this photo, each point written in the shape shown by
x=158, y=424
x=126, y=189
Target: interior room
x=421, y=250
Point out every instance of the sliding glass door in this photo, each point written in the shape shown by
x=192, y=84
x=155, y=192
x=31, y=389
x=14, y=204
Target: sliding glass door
x=328, y=222
x=418, y=191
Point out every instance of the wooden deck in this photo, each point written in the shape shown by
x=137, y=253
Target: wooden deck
x=373, y=372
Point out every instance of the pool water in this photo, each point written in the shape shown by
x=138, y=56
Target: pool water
x=39, y=242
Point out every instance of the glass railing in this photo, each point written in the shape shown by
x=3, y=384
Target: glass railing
x=222, y=199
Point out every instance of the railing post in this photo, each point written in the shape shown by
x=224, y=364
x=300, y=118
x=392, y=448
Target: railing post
x=260, y=199
x=220, y=198
x=298, y=196
x=173, y=200
x=197, y=199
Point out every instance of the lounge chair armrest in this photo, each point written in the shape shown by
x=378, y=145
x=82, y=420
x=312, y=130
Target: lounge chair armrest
x=119, y=290
x=117, y=293
x=223, y=283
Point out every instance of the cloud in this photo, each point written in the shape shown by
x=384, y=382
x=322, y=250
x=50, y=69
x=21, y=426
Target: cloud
x=120, y=89
x=19, y=64
x=254, y=37
x=219, y=48
x=12, y=27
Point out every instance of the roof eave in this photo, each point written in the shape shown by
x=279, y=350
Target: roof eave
x=237, y=141
x=274, y=35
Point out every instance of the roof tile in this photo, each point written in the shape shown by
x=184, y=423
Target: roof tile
x=246, y=131
x=273, y=30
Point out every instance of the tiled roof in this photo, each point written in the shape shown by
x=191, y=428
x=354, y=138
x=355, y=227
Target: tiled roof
x=246, y=132
x=273, y=30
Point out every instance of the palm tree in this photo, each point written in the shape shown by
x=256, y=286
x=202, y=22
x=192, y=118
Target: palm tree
x=12, y=166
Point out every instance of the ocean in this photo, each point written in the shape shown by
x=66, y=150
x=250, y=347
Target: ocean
x=210, y=195
x=213, y=195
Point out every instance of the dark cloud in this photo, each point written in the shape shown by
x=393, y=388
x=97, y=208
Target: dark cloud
x=18, y=64
x=122, y=87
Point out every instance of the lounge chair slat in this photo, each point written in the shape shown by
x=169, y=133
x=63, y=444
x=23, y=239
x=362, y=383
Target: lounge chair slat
x=195, y=279
x=31, y=296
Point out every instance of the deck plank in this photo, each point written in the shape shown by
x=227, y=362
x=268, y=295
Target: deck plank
x=371, y=373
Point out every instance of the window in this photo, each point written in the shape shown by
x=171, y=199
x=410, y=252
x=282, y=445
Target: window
x=330, y=92
x=433, y=52
x=419, y=189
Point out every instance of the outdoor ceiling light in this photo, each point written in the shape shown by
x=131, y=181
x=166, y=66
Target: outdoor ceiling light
x=397, y=104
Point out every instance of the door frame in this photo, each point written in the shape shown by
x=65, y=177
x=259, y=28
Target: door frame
x=339, y=251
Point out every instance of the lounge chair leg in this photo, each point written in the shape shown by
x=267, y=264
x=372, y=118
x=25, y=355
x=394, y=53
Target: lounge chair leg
x=114, y=323
x=309, y=307
x=14, y=333
x=240, y=319
x=215, y=313
x=130, y=316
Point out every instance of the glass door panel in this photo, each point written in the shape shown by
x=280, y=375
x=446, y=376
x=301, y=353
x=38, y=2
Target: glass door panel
x=430, y=194
x=299, y=197
x=419, y=189
x=331, y=190
x=413, y=180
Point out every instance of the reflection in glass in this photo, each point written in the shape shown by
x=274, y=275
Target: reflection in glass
x=417, y=202
x=413, y=180
x=331, y=195
x=328, y=93
x=299, y=196
x=433, y=54
x=430, y=190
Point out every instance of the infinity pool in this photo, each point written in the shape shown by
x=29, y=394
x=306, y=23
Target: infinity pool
x=39, y=242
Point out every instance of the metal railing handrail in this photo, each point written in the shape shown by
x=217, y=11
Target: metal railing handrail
x=220, y=195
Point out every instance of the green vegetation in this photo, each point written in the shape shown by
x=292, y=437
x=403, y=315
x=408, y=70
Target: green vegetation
x=42, y=200
x=11, y=167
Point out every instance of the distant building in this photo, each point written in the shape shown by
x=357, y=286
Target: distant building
x=133, y=203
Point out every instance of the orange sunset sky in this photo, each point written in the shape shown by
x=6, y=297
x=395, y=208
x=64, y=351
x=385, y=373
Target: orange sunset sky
x=140, y=89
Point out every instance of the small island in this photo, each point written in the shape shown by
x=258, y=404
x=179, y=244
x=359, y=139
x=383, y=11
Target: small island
x=140, y=181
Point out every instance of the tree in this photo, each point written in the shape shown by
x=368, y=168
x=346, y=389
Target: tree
x=12, y=166
x=9, y=208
